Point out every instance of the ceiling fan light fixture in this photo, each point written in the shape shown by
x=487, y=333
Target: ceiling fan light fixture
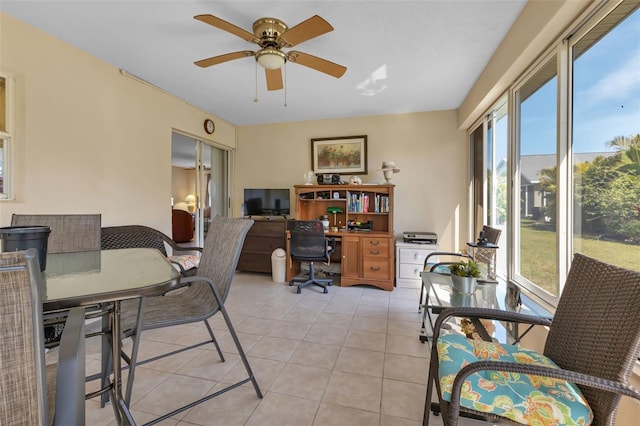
x=270, y=58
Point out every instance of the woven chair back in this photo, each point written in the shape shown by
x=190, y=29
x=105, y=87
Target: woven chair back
x=133, y=236
x=595, y=328
x=69, y=232
x=21, y=349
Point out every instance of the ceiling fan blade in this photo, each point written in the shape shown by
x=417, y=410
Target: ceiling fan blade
x=228, y=27
x=223, y=58
x=306, y=30
x=316, y=63
x=274, y=79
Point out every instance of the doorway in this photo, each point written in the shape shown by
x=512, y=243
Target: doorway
x=199, y=181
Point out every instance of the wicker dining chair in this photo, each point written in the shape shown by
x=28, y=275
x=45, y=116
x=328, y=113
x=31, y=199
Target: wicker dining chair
x=28, y=388
x=590, y=351
x=203, y=296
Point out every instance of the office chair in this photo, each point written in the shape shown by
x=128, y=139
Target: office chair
x=309, y=244
x=579, y=378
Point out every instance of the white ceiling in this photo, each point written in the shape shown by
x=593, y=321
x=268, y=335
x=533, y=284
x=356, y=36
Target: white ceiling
x=401, y=56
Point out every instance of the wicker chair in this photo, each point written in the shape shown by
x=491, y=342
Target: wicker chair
x=139, y=236
x=594, y=339
x=204, y=296
x=28, y=387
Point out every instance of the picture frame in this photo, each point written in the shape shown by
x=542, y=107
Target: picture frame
x=343, y=155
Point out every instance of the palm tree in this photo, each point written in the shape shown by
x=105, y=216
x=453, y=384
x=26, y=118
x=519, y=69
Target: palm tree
x=628, y=148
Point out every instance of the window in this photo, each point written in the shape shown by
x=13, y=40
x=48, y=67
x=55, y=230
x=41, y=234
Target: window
x=606, y=139
x=5, y=137
x=574, y=148
x=536, y=253
x=489, y=142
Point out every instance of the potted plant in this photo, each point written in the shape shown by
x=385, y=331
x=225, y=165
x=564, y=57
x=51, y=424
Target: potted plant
x=464, y=276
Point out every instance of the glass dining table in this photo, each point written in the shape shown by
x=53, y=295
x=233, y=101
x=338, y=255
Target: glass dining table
x=488, y=294
x=106, y=278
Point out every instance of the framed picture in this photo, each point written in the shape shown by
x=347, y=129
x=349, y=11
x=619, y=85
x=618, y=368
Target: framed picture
x=340, y=155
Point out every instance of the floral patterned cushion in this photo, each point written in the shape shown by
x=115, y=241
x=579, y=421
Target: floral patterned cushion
x=530, y=400
x=441, y=269
x=187, y=261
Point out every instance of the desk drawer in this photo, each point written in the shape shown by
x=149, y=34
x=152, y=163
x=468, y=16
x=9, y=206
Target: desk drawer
x=410, y=271
x=376, y=268
x=375, y=247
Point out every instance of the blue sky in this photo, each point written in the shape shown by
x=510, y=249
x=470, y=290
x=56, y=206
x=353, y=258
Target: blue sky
x=606, y=96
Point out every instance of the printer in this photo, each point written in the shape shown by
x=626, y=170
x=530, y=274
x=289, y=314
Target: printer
x=422, y=237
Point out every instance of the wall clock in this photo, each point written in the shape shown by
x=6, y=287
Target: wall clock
x=209, y=127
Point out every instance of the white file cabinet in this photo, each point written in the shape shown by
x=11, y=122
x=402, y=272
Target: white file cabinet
x=410, y=261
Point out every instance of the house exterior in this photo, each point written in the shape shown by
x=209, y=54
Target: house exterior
x=532, y=198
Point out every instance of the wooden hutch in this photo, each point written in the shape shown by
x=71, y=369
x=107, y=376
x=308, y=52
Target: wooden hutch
x=362, y=227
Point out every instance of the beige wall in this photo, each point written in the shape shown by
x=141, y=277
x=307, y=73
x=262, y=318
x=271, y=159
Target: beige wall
x=89, y=139
x=430, y=192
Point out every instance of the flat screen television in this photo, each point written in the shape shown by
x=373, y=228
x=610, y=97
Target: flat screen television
x=266, y=202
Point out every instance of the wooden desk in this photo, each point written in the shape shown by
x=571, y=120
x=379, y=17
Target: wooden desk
x=108, y=276
x=365, y=258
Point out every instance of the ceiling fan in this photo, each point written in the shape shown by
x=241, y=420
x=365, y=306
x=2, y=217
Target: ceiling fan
x=272, y=35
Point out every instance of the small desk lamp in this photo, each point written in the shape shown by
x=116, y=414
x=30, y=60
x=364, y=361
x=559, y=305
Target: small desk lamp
x=334, y=211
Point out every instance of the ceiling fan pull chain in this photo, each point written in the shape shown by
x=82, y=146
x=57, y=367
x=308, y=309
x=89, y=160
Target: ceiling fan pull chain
x=256, y=98
x=285, y=84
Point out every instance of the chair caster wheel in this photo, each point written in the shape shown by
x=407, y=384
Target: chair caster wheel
x=325, y=291
x=299, y=290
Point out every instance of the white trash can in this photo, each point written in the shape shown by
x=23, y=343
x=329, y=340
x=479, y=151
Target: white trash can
x=278, y=262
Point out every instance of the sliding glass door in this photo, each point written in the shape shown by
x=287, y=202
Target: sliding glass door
x=200, y=182
x=211, y=186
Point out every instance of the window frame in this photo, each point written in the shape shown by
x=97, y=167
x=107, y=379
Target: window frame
x=7, y=136
x=562, y=50
x=514, y=159
x=479, y=218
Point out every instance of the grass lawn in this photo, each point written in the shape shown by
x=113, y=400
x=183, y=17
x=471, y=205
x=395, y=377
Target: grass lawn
x=538, y=254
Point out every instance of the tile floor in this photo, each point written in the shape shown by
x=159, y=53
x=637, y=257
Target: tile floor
x=349, y=357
